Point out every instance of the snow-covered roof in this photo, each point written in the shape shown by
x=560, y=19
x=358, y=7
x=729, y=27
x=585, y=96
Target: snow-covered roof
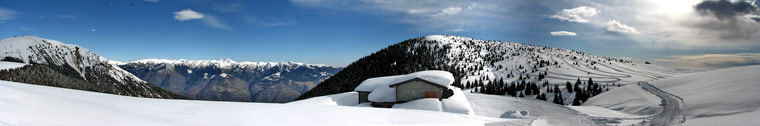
x=372, y=83
x=442, y=78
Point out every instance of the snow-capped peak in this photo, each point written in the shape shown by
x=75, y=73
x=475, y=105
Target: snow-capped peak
x=224, y=63
x=33, y=49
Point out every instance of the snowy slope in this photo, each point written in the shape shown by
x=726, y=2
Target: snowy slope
x=718, y=97
x=480, y=54
x=71, y=66
x=542, y=112
x=228, y=80
x=25, y=104
x=629, y=99
x=10, y=65
x=474, y=60
x=33, y=49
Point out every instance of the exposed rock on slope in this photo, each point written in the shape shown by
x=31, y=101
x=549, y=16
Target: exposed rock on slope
x=227, y=80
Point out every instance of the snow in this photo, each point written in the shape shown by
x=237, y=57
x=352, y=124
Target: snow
x=342, y=99
x=226, y=63
x=372, y=83
x=430, y=104
x=26, y=104
x=114, y=62
x=435, y=38
x=46, y=51
x=442, y=78
x=504, y=106
x=457, y=103
x=223, y=75
x=540, y=122
x=382, y=94
x=10, y=65
x=629, y=99
x=596, y=111
x=718, y=97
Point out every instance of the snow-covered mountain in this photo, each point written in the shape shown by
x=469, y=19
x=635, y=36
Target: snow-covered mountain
x=53, y=63
x=482, y=62
x=227, y=80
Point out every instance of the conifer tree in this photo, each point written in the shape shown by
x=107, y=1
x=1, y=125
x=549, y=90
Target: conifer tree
x=569, y=87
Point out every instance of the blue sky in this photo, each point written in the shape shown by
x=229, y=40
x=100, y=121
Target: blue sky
x=337, y=32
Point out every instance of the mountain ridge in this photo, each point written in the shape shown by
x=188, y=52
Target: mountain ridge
x=53, y=63
x=477, y=63
x=228, y=80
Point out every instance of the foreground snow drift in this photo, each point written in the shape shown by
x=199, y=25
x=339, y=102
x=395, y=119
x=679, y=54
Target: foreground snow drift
x=718, y=97
x=26, y=104
x=542, y=112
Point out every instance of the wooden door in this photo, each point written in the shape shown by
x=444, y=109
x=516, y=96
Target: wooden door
x=430, y=94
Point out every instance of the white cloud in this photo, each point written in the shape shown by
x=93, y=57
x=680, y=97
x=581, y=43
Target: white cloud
x=563, y=33
x=668, y=24
x=6, y=14
x=714, y=60
x=576, y=14
x=151, y=1
x=448, y=11
x=616, y=26
x=425, y=15
x=415, y=11
x=213, y=22
x=187, y=14
x=93, y=30
x=206, y=19
x=455, y=30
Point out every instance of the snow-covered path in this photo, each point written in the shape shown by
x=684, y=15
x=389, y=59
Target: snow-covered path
x=672, y=112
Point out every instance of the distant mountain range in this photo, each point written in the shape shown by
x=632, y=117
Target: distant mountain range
x=227, y=80
x=52, y=63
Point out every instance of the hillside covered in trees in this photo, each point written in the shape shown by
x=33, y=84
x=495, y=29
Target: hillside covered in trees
x=497, y=67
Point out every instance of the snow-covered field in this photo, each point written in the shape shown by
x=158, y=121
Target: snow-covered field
x=27, y=105
x=629, y=99
x=719, y=97
x=541, y=111
x=716, y=97
x=10, y=65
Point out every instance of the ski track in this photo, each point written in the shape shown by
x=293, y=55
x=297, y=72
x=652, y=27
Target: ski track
x=672, y=112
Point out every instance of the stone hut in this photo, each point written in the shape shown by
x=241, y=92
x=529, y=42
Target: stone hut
x=386, y=91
